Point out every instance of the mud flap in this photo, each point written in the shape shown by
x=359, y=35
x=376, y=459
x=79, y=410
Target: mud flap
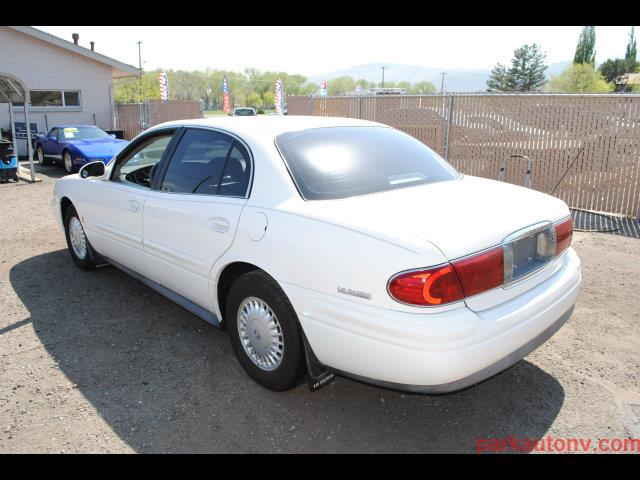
x=317, y=374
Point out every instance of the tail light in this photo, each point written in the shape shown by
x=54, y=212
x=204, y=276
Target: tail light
x=470, y=275
x=564, y=232
x=481, y=272
x=429, y=287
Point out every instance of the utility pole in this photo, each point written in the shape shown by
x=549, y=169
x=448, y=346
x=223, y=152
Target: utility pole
x=139, y=57
x=442, y=83
x=139, y=71
x=383, y=69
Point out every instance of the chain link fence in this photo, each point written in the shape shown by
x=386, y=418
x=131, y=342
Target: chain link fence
x=133, y=118
x=598, y=136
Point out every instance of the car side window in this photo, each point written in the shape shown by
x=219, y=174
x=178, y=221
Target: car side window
x=53, y=133
x=237, y=172
x=139, y=166
x=197, y=164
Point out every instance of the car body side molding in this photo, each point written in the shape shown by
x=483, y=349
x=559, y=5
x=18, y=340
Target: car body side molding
x=185, y=303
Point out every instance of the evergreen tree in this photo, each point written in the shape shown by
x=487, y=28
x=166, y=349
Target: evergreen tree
x=586, y=49
x=630, y=54
x=526, y=73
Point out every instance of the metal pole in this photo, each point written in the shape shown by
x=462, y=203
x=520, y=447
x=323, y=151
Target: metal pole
x=383, y=69
x=13, y=128
x=27, y=100
x=442, y=82
x=448, y=129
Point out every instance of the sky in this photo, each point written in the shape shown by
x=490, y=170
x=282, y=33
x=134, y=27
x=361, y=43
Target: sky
x=316, y=50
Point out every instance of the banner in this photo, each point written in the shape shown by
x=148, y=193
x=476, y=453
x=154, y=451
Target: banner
x=226, y=100
x=164, y=86
x=278, y=96
x=323, y=88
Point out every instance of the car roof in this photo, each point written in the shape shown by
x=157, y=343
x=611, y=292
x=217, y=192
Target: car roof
x=272, y=124
x=73, y=126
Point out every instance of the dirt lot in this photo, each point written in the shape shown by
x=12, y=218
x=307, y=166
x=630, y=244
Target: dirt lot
x=97, y=362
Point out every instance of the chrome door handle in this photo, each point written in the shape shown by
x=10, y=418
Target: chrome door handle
x=218, y=224
x=134, y=206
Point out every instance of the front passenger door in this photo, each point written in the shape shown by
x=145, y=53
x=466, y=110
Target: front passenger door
x=191, y=220
x=113, y=218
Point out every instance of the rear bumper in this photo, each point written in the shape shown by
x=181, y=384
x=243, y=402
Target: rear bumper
x=480, y=375
x=434, y=352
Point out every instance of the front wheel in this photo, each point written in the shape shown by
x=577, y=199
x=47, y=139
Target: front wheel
x=68, y=163
x=80, y=249
x=264, y=332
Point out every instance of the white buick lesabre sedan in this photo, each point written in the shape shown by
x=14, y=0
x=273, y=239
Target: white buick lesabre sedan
x=330, y=245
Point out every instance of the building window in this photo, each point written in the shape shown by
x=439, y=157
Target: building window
x=53, y=99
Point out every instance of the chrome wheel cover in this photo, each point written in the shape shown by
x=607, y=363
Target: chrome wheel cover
x=260, y=333
x=77, y=238
x=68, y=164
x=40, y=156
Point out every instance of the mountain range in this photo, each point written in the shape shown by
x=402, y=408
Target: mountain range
x=456, y=79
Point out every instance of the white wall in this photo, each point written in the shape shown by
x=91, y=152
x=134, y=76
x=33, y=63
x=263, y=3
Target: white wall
x=41, y=65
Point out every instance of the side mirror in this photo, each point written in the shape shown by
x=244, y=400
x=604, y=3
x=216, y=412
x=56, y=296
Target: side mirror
x=93, y=169
x=53, y=138
x=112, y=135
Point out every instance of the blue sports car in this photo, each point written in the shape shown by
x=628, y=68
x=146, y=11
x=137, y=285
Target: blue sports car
x=75, y=145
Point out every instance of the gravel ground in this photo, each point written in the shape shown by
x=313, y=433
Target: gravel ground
x=97, y=362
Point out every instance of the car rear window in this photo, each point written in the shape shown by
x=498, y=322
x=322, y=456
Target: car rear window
x=341, y=162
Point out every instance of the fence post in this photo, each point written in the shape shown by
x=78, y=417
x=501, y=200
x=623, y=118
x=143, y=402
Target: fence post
x=309, y=107
x=447, y=130
x=360, y=107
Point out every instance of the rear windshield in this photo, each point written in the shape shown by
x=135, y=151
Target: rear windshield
x=341, y=162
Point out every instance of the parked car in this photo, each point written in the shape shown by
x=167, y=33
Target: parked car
x=76, y=145
x=330, y=245
x=243, y=112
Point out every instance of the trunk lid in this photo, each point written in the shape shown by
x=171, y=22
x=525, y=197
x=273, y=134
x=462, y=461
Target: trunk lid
x=459, y=217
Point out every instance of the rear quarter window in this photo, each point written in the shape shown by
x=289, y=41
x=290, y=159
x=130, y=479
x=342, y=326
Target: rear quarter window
x=341, y=162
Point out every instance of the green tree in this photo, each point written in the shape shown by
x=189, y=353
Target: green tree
x=422, y=88
x=586, y=48
x=526, y=73
x=615, y=72
x=579, y=78
x=253, y=99
x=630, y=53
x=268, y=99
x=499, y=79
x=341, y=85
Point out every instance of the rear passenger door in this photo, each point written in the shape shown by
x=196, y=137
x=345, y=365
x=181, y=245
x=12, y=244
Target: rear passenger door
x=190, y=219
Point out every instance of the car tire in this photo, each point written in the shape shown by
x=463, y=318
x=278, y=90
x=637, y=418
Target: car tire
x=42, y=160
x=80, y=249
x=258, y=309
x=68, y=162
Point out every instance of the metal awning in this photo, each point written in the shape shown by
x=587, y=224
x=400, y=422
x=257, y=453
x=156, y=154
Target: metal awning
x=12, y=89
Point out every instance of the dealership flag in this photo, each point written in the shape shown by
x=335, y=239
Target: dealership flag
x=226, y=102
x=278, y=96
x=164, y=86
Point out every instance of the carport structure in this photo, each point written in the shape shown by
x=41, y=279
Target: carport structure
x=13, y=90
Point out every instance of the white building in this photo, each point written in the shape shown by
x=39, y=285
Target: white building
x=68, y=83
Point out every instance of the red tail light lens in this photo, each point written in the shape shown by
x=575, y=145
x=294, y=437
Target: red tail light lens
x=435, y=286
x=481, y=272
x=464, y=277
x=564, y=232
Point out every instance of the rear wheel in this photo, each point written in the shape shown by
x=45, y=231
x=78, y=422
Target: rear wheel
x=264, y=332
x=42, y=160
x=80, y=249
x=68, y=163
